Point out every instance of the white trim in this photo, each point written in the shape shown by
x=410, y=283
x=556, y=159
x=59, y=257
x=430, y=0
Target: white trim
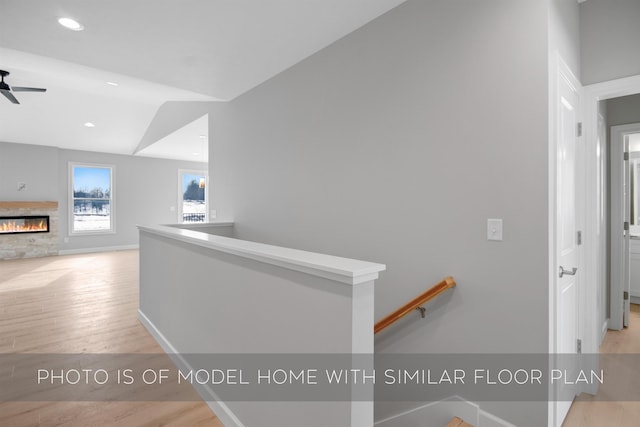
x=426, y=406
x=191, y=225
x=614, y=88
x=603, y=330
x=98, y=249
x=479, y=413
x=112, y=199
x=222, y=411
x=344, y=270
x=551, y=218
x=592, y=95
x=616, y=143
x=498, y=420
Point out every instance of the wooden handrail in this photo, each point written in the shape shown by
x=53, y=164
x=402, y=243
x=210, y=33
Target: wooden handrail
x=436, y=290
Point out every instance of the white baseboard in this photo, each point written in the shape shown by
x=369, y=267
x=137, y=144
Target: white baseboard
x=436, y=413
x=603, y=331
x=485, y=419
x=440, y=413
x=95, y=250
x=222, y=411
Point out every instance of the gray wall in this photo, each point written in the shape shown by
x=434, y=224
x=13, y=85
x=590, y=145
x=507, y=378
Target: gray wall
x=395, y=145
x=624, y=110
x=609, y=33
x=33, y=165
x=564, y=32
x=145, y=188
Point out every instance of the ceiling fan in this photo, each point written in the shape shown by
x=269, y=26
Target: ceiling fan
x=6, y=89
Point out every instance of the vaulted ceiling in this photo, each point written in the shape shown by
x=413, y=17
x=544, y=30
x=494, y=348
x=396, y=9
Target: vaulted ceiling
x=156, y=51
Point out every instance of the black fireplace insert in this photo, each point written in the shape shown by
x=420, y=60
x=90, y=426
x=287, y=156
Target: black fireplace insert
x=24, y=224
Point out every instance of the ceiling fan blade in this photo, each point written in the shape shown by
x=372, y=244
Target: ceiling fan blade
x=9, y=96
x=27, y=89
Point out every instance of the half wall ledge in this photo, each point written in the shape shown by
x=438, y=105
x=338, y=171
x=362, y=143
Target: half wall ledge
x=344, y=270
x=206, y=294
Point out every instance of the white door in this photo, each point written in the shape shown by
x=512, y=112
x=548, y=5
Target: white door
x=567, y=256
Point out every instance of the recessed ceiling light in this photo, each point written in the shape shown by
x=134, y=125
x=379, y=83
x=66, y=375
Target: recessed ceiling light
x=112, y=83
x=196, y=154
x=203, y=136
x=89, y=125
x=71, y=24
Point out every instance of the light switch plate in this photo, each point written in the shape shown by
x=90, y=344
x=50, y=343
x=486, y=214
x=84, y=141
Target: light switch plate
x=494, y=229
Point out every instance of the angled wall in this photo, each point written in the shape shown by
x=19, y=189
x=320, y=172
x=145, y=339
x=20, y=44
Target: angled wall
x=171, y=116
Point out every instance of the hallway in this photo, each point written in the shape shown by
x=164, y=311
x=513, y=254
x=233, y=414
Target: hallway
x=596, y=411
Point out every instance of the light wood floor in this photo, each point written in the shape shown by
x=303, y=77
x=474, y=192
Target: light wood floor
x=82, y=304
x=88, y=304
x=590, y=411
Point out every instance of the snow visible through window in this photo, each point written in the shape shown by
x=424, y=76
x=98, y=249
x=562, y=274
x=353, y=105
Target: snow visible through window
x=92, y=195
x=194, y=207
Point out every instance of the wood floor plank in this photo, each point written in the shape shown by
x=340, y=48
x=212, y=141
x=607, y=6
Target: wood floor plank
x=82, y=304
x=595, y=411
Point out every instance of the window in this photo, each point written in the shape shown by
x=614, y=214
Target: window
x=91, y=200
x=192, y=199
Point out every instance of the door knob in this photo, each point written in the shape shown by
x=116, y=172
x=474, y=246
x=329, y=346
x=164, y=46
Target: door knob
x=571, y=272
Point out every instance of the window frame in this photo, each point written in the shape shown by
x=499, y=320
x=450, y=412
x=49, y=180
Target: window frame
x=112, y=200
x=202, y=172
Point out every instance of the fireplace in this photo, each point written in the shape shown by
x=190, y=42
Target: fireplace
x=24, y=224
x=28, y=229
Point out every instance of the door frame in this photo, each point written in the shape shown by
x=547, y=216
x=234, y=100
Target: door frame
x=592, y=95
x=618, y=279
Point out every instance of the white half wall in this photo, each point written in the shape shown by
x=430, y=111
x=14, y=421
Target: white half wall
x=214, y=295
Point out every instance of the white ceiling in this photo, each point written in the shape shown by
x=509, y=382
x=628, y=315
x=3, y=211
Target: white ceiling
x=76, y=95
x=157, y=51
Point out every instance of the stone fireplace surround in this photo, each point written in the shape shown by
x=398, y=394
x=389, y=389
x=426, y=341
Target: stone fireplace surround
x=30, y=245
